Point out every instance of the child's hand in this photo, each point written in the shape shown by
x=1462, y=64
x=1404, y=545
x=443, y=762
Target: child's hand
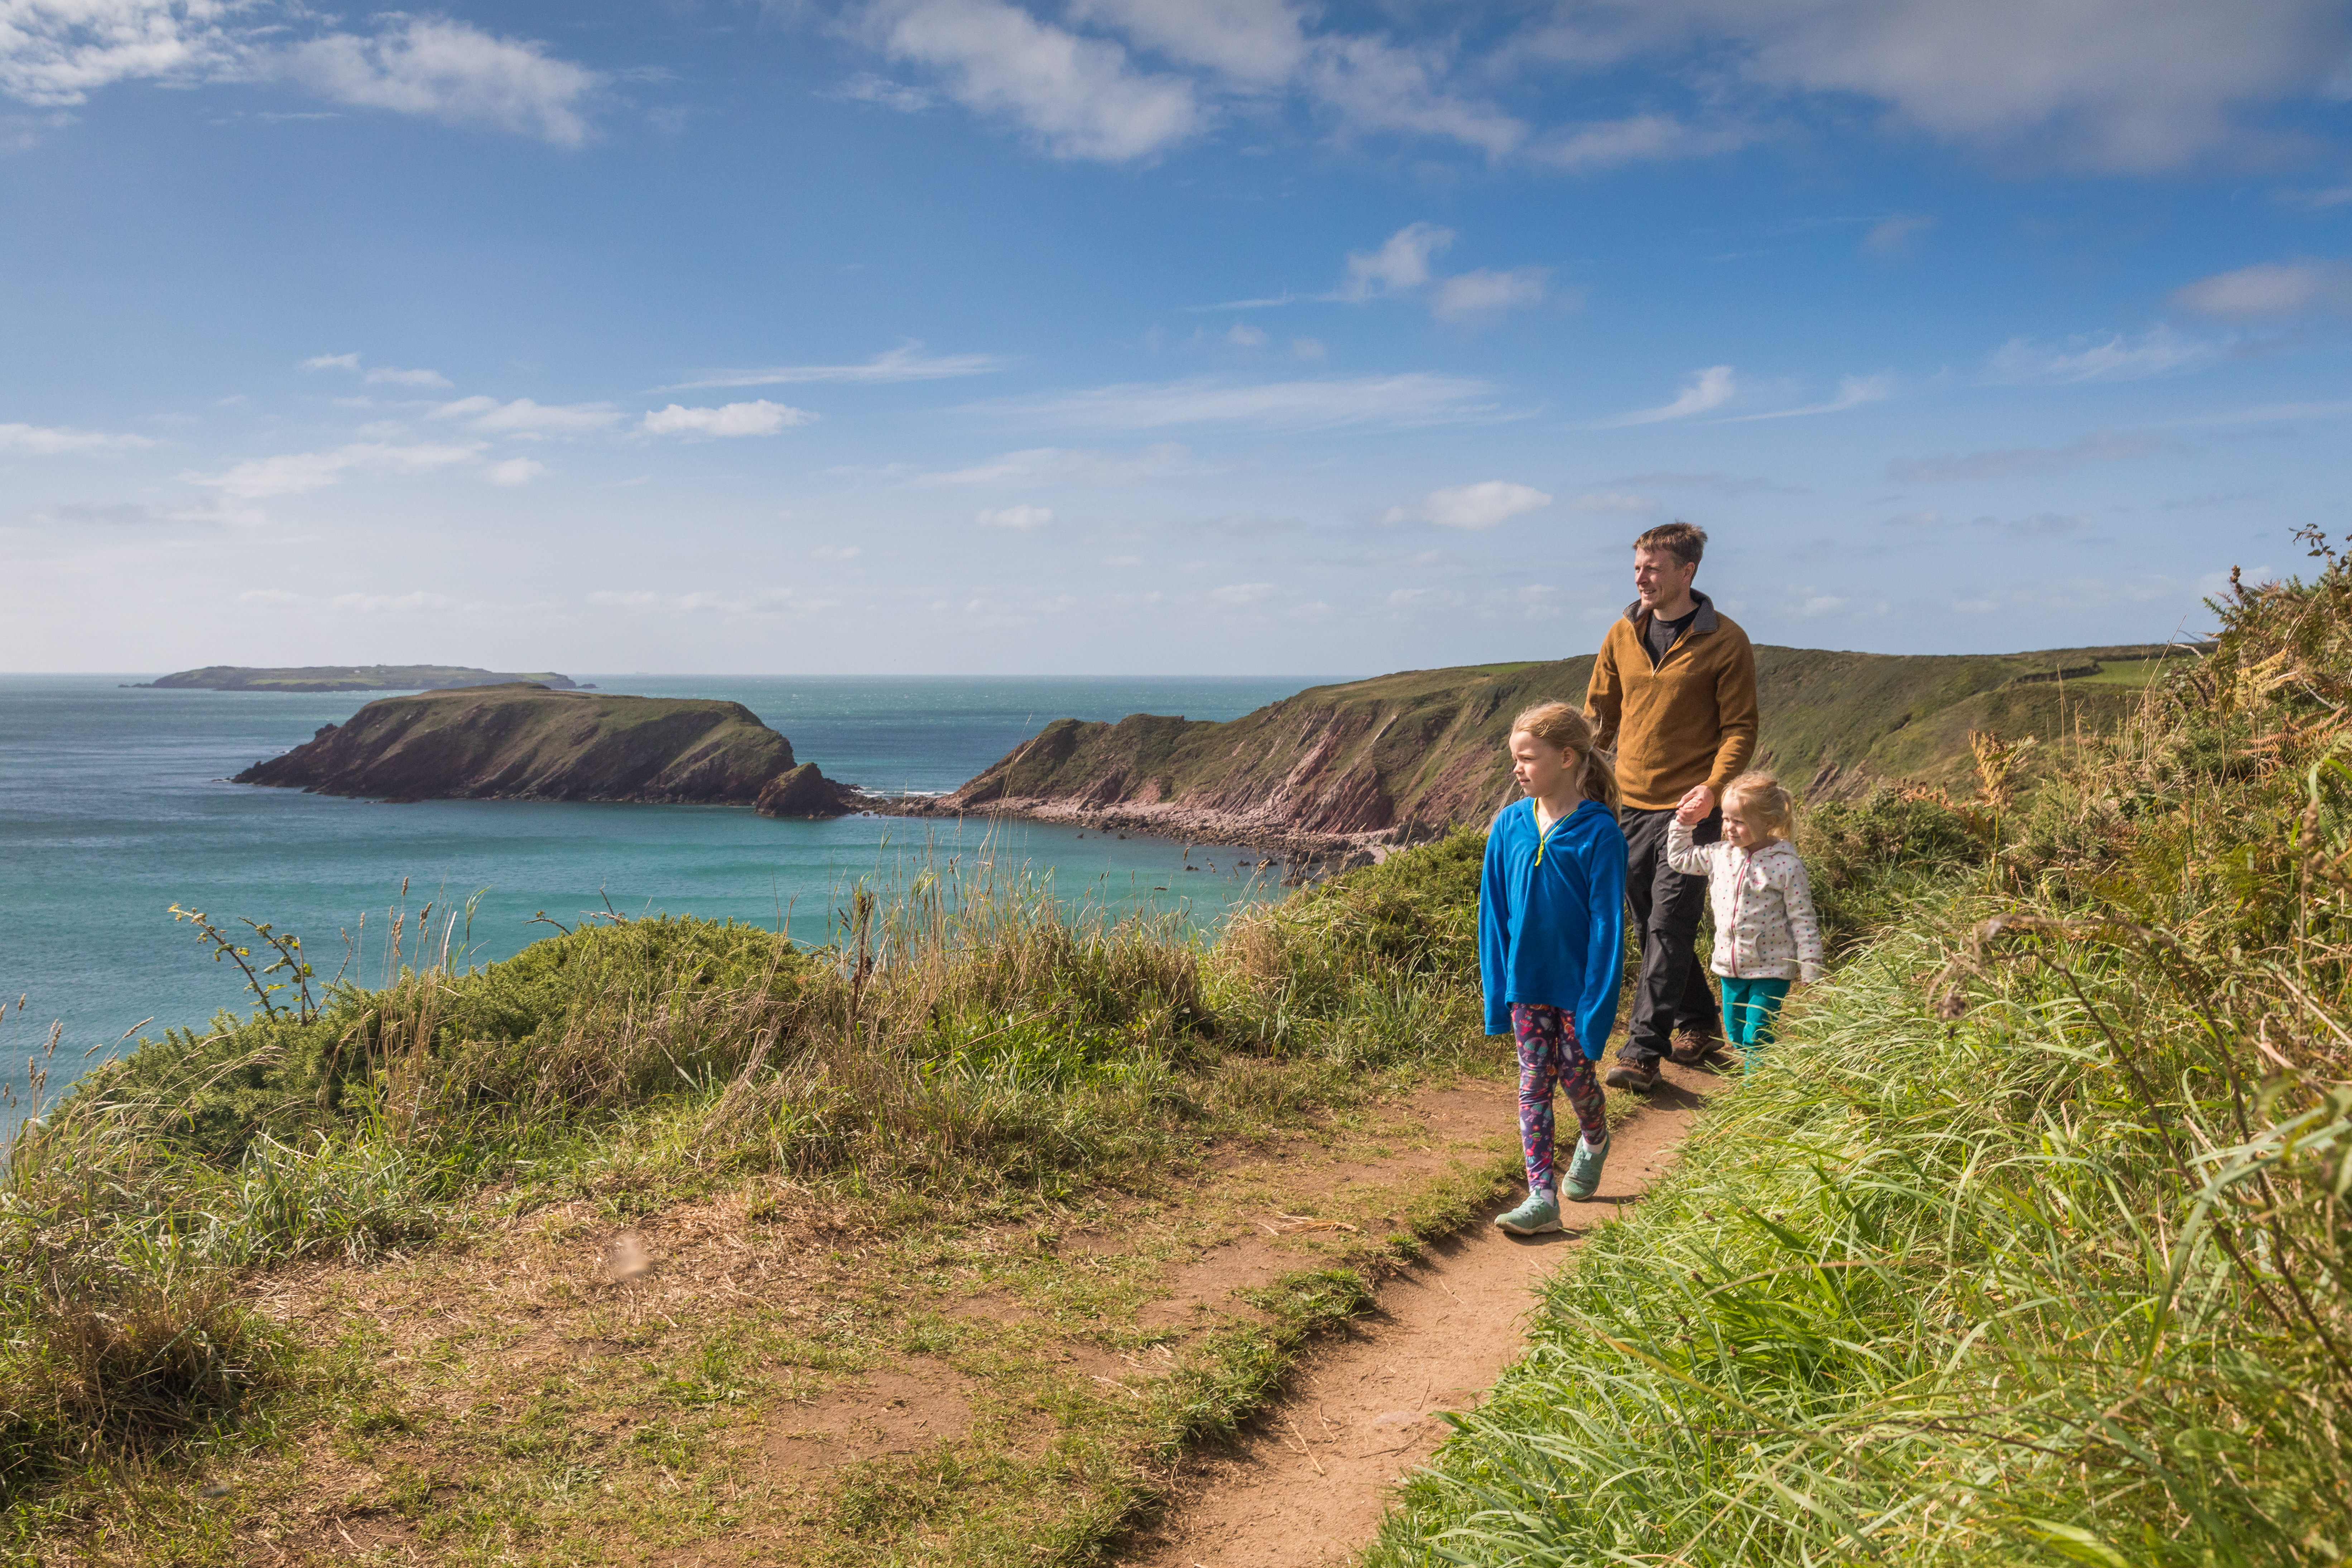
x=1690, y=814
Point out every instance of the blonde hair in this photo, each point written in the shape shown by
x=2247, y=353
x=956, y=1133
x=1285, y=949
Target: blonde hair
x=1769, y=807
x=1566, y=731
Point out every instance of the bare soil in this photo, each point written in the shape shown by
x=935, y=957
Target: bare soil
x=1311, y=1480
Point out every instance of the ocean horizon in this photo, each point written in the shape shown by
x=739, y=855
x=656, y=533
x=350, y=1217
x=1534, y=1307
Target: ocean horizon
x=115, y=804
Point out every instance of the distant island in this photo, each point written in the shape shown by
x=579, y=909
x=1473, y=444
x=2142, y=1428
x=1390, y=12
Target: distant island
x=1397, y=758
x=524, y=741
x=350, y=678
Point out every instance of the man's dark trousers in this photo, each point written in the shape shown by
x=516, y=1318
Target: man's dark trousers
x=1672, y=994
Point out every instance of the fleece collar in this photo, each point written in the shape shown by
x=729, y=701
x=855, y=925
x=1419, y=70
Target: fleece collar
x=1701, y=624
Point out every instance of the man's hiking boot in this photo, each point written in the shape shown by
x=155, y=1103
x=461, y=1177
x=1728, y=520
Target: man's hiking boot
x=1633, y=1075
x=1584, y=1172
x=1537, y=1217
x=1690, y=1047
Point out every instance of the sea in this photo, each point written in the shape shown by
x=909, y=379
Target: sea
x=115, y=805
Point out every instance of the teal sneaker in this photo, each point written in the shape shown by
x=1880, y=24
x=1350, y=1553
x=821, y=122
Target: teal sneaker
x=1533, y=1217
x=1584, y=1171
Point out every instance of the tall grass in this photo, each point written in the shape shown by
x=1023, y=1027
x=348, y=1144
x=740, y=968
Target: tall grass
x=2029, y=1242
x=966, y=1045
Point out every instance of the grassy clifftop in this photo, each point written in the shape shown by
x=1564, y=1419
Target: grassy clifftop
x=524, y=742
x=1425, y=748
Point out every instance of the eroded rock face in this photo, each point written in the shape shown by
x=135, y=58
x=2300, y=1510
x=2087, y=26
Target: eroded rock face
x=805, y=792
x=525, y=741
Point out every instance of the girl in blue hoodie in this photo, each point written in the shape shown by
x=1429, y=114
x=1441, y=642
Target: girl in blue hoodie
x=1551, y=943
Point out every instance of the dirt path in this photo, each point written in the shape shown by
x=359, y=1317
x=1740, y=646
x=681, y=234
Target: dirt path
x=1310, y=1482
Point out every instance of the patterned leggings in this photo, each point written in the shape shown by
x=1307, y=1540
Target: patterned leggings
x=1549, y=1057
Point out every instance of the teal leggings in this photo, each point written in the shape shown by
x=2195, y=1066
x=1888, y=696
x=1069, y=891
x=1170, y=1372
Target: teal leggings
x=1748, y=1006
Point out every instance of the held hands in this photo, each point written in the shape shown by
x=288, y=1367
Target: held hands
x=1695, y=807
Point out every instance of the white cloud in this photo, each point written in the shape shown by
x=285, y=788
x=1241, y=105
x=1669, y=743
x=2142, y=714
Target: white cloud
x=418, y=601
x=1041, y=465
x=331, y=362
x=1240, y=595
x=387, y=375
x=756, y=418
x=452, y=72
x=1400, y=263
x=901, y=363
x=1021, y=517
x=1476, y=296
x=1637, y=139
x=1853, y=392
x=1254, y=44
x=2269, y=289
x=837, y=553
x=2100, y=447
x=1482, y=505
x=1307, y=349
x=2114, y=358
x=636, y=599
x=1706, y=389
x=1076, y=95
x=1414, y=398
x=1244, y=336
x=293, y=473
x=1624, y=502
x=1892, y=236
x=525, y=417
x=50, y=441
x=1374, y=85
x=56, y=53
x=515, y=471
x=868, y=88
x=2126, y=85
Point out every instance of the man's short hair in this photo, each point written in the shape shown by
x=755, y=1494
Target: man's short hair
x=1685, y=542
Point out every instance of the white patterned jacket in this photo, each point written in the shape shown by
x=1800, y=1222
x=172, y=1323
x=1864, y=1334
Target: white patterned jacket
x=1765, y=928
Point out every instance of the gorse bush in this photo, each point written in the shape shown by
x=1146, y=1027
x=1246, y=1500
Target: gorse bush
x=2030, y=1242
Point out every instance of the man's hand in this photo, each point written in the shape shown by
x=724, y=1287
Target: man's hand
x=1695, y=806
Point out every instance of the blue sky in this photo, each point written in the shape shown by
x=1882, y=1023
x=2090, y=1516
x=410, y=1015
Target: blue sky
x=1135, y=336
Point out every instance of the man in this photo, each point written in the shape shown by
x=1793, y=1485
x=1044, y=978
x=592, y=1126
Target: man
x=1674, y=694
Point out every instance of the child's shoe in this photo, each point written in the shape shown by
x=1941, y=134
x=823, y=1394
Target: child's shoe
x=1584, y=1171
x=1536, y=1217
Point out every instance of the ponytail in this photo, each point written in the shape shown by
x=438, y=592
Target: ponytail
x=1566, y=730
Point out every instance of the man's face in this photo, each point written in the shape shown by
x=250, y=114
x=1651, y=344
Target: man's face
x=1660, y=579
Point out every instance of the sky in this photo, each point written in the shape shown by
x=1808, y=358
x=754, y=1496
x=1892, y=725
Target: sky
x=1147, y=337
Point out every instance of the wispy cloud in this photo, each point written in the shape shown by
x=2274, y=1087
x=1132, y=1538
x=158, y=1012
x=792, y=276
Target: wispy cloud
x=449, y=71
x=331, y=362
x=2100, y=447
x=1039, y=467
x=1893, y=236
x=2113, y=358
x=1415, y=398
x=2269, y=289
x=1488, y=292
x=1479, y=506
x=757, y=418
x=50, y=441
x=523, y=417
x=294, y=473
x=1853, y=392
x=389, y=375
x=1626, y=502
x=905, y=362
x=1637, y=139
x=1021, y=518
x=1403, y=262
x=1706, y=389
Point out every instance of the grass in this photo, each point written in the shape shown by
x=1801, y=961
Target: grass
x=2029, y=1243
x=343, y=1263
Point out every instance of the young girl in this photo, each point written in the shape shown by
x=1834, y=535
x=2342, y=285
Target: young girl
x=1766, y=933
x=1551, y=940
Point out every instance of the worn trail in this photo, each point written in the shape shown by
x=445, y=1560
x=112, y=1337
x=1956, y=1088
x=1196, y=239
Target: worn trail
x=1310, y=1482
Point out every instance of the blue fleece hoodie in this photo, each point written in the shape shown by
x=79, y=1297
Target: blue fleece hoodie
x=1551, y=918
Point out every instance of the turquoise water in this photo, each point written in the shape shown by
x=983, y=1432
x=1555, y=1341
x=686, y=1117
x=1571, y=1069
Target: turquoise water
x=114, y=805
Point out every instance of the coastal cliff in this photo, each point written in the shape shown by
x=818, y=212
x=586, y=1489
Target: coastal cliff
x=525, y=741
x=1400, y=757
